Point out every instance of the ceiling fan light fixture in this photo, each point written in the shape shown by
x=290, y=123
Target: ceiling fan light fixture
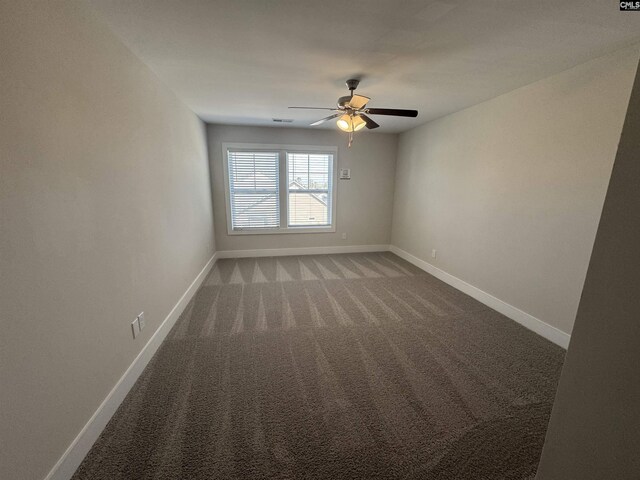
x=358, y=123
x=345, y=123
x=351, y=123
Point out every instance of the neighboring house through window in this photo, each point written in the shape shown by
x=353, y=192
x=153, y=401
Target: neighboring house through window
x=280, y=189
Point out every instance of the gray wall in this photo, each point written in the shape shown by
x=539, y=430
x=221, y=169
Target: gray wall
x=594, y=431
x=510, y=191
x=105, y=212
x=364, y=203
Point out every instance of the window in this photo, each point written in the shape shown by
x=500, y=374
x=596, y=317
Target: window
x=254, y=189
x=280, y=189
x=309, y=182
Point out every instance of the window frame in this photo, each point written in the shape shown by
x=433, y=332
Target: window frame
x=283, y=187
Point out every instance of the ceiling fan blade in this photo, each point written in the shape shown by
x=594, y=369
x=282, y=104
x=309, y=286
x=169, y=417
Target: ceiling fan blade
x=370, y=123
x=358, y=101
x=392, y=111
x=316, y=108
x=325, y=119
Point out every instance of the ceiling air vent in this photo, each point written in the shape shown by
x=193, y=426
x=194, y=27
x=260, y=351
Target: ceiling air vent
x=283, y=120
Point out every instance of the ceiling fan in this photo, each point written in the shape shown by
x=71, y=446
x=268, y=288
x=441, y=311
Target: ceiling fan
x=354, y=115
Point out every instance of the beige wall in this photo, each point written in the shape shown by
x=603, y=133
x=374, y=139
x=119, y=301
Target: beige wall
x=510, y=191
x=105, y=211
x=594, y=431
x=364, y=203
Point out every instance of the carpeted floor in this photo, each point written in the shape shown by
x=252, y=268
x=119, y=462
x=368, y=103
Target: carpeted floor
x=356, y=366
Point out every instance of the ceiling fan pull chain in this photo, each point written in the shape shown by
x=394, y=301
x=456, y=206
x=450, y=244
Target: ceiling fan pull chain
x=350, y=139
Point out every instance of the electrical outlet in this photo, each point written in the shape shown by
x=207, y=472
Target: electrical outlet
x=135, y=327
x=141, y=321
x=344, y=236
x=433, y=253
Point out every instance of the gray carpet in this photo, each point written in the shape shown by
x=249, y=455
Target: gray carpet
x=355, y=366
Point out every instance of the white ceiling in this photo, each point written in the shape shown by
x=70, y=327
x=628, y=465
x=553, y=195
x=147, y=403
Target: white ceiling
x=246, y=61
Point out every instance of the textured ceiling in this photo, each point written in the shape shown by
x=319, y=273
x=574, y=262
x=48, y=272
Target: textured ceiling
x=246, y=61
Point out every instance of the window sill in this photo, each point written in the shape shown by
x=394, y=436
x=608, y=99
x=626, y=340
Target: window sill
x=283, y=231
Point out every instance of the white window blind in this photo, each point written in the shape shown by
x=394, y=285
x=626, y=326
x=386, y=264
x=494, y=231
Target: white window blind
x=309, y=189
x=253, y=189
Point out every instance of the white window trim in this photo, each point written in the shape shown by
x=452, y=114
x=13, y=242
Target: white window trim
x=284, y=207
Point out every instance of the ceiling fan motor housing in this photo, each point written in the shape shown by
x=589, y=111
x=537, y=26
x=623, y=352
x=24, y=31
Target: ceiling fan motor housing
x=344, y=101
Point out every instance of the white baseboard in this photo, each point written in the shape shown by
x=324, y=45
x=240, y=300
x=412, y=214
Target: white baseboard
x=547, y=331
x=73, y=456
x=280, y=252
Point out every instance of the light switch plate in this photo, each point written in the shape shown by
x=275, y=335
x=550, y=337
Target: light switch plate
x=141, y=321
